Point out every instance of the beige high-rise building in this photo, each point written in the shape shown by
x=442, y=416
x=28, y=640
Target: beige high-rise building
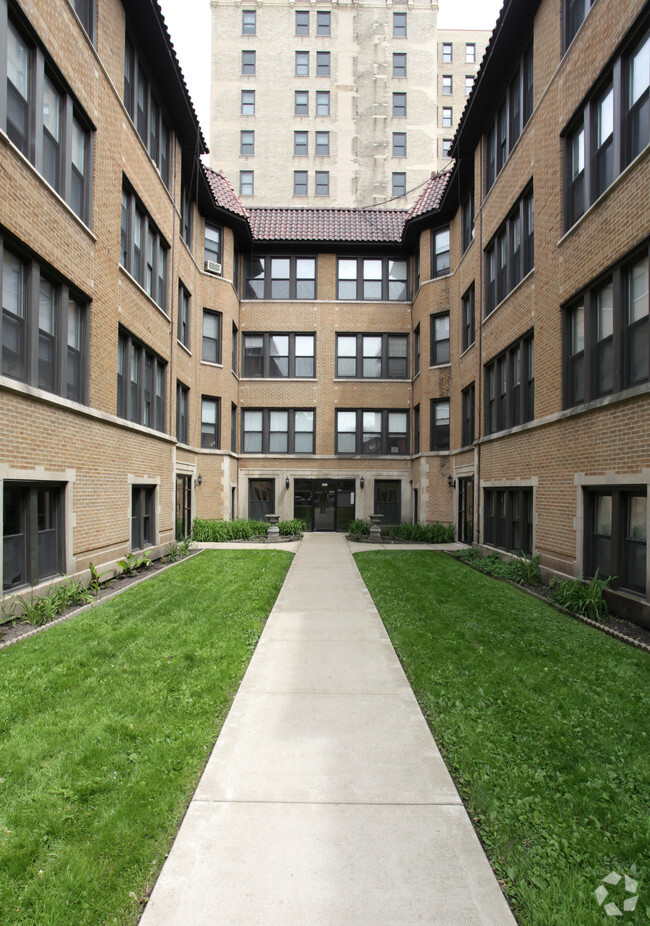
x=334, y=103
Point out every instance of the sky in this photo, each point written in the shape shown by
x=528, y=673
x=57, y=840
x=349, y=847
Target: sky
x=188, y=22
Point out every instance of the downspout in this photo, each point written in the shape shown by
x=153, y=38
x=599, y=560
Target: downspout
x=479, y=304
x=171, y=305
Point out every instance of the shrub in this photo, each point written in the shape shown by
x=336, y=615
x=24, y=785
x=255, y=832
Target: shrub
x=423, y=533
x=519, y=569
x=179, y=549
x=581, y=597
x=205, y=531
x=131, y=564
x=292, y=527
x=359, y=528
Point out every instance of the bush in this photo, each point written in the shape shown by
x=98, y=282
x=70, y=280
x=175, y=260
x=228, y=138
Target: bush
x=204, y=531
x=359, y=528
x=423, y=533
x=584, y=598
x=520, y=569
x=292, y=527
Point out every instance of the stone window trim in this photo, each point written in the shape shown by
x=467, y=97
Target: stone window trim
x=34, y=531
x=143, y=516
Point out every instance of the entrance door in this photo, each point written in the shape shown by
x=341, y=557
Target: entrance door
x=466, y=510
x=183, y=506
x=324, y=504
x=261, y=498
x=388, y=500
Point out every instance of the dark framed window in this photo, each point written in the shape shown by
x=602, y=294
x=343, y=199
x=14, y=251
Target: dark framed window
x=508, y=519
x=372, y=356
x=187, y=214
x=416, y=351
x=323, y=22
x=510, y=255
x=182, y=413
x=609, y=131
x=467, y=220
x=184, y=307
x=280, y=278
x=399, y=144
x=398, y=180
x=370, y=431
x=234, y=348
x=513, y=112
x=399, y=25
x=439, y=424
x=322, y=144
x=233, y=428
x=261, y=498
x=440, y=339
x=301, y=103
x=247, y=142
x=33, y=532
x=210, y=422
x=278, y=355
x=145, y=109
x=43, y=328
x=278, y=430
x=379, y=279
x=440, y=256
x=300, y=183
x=248, y=102
x=248, y=62
x=416, y=429
x=447, y=52
x=246, y=182
x=322, y=102
x=607, y=332
x=447, y=85
x=249, y=22
x=322, y=180
x=143, y=516
x=388, y=497
x=85, y=10
x=141, y=376
x=399, y=64
x=212, y=243
x=301, y=143
x=399, y=105
x=467, y=424
x=301, y=68
x=574, y=13
x=144, y=252
x=323, y=63
x=616, y=535
x=468, y=320
x=510, y=386
x=211, y=337
x=302, y=22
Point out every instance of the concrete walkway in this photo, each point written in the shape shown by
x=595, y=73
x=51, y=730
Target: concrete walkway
x=325, y=801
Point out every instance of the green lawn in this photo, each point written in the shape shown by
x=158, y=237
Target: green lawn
x=544, y=723
x=106, y=723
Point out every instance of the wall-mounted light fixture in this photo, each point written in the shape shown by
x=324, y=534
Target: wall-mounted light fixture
x=198, y=480
x=287, y=483
x=361, y=480
x=451, y=482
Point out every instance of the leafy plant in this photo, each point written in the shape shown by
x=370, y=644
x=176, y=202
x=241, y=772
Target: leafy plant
x=581, y=597
x=95, y=584
x=179, y=549
x=422, y=533
x=520, y=569
x=209, y=531
x=359, y=528
x=70, y=594
x=291, y=527
x=131, y=564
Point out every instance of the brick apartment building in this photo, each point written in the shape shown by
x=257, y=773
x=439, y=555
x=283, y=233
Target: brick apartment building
x=481, y=359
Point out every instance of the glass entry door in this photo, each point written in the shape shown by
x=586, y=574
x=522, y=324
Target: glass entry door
x=466, y=510
x=324, y=504
x=183, y=506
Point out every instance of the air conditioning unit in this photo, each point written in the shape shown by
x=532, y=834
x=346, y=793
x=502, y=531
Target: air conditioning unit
x=213, y=267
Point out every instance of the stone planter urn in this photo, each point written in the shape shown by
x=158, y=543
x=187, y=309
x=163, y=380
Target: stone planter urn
x=375, y=526
x=274, y=532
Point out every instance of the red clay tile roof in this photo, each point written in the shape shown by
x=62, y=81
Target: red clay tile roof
x=327, y=224
x=223, y=193
x=431, y=196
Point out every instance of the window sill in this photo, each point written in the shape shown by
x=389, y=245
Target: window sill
x=210, y=363
x=439, y=366
x=372, y=379
x=185, y=347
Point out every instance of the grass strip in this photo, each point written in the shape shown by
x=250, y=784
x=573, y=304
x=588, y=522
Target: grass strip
x=106, y=723
x=544, y=724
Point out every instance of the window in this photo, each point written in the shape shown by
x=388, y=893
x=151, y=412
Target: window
x=186, y=214
x=608, y=132
x=447, y=52
x=246, y=182
x=248, y=102
x=372, y=356
x=322, y=102
x=302, y=64
x=143, y=516
x=140, y=382
x=374, y=279
x=363, y=431
x=447, y=116
x=182, y=413
x=33, y=533
x=440, y=253
x=446, y=147
x=322, y=143
x=247, y=142
x=508, y=519
x=510, y=387
x=399, y=64
x=281, y=430
x=212, y=248
x=574, y=14
x=470, y=53
x=302, y=22
x=388, y=500
x=447, y=85
x=280, y=278
x=322, y=183
x=416, y=351
x=85, y=10
x=510, y=254
x=607, y=333
x=439, y=424
x=210, y=422
x=399, y=144
x=467, y=220
x=399, y=183
x=143, y=252
x=44, y=329
x=211, y=337
x=301, y=103
x=399, y=105
x=183, y=331
x=300, y=183
x=468, y=317
x=145, y=109
x=279, y=355
x=512, y=114
x=248, y=62
x=616, y=535
x=38, y=130
x=323, y=63
x=323, y=22
x=233, y=428
x=467, y=426
x=399, y=25
x=416, y=429
x=234, y=349
x=439, y=339
x=469, y=83
x=248, y=22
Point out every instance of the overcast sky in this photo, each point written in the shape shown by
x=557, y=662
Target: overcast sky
x=189, y=25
